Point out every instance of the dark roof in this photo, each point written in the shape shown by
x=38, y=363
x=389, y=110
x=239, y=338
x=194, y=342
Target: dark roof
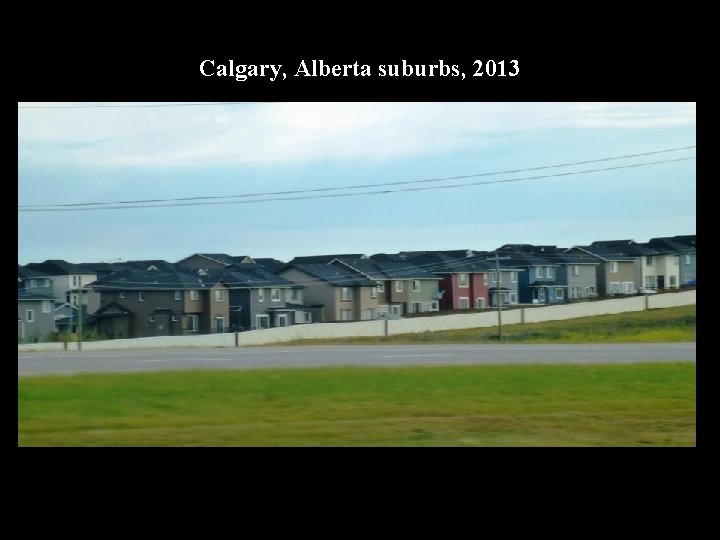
x=145, y=280
x=270, y=264
x=251, y=276
x=674, y=244
x=624, y=247
x=57, y=267
x=607, y=253
x=29, y=273
x=112, y=310
x=26, y=296
x=324, y=259
x=381, y=270
x=333, y=274
x=524, y=260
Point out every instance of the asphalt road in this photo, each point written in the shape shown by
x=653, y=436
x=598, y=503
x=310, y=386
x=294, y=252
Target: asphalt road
x=42, y=363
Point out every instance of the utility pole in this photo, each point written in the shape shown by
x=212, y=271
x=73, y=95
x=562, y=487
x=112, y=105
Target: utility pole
x=499, y=296
x=80, y=307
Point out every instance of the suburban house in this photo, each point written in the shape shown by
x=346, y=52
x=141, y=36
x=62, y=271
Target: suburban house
x=335, y=292
x=575, y=273
x=36, y=311
x=615, y=271
x=653, y=269
x=539, y=282
x=68, y=282
x=467, y=278
x=142, y=303
x=683, y=248
x=402, y=288
x=258, y=298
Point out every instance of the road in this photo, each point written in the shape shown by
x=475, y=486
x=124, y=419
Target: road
x=45, y=363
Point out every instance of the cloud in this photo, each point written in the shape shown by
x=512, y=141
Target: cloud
x=308, y=132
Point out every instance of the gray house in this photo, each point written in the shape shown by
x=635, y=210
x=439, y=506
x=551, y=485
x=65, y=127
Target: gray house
x=36, y=315
x=615, y=271
x=258, y=297
x=683, y=249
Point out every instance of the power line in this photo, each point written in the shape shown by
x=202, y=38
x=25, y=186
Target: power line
x=134, y=106
x=335, y=195
x=357, y=186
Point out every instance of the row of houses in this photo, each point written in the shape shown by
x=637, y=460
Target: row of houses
x=215, y=292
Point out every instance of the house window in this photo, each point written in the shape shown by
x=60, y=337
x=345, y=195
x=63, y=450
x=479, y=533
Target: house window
x=463, y=303
x=395, y=309
x=141, y=296
x=274, y=295
x=33, y=283
x=416, y=285
x=74, y=300
x=151, y=318
x=46, y=283
x=192, y=323
x=672, y=281
x=46, y=308
x=628, y=287
x=559, y=293
x=381, y=286
x=434, y=306
x=367, y=314
x=398, y=286
x=513, y=277
x=294, y=294
x=539, y=272
x=373, y=292
x=261, y=296
x=513, y=298
x=485, y=280
x=262, y=321
x=75, y=281
x=175, y=318
x=590, y=291
x=650, y=282
x=576, y=270
x=178, y=295
x=123, y=295
x=346, y=315
x=345, y=293
x=676, y=260
x=308, y=316
x=549, y=272
x=479, y=303
x=462, y=280
x=648, y=261
x=613, y=267
x=687, y=259
x=218, y=295
x=615, y=287
x=29, y=315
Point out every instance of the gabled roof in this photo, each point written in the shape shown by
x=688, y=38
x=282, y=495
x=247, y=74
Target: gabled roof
x=270, y=264
x=605, y=253
x=674, y=244
x=252, y=276
x=325, y=259
x=524, y=260
x=25, y=296
x=624, y=247
x=112, y=310
x=377, y=270
x=147, y=280
x=333, y=274
x=29, y=273
x=58, y=267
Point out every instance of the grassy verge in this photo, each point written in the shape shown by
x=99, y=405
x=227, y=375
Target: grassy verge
x=540, y=405
x=655, y=325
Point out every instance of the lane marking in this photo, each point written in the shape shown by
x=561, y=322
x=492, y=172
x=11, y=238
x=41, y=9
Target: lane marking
x=414, y=355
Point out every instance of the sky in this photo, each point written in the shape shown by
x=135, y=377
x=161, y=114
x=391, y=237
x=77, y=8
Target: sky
x=76, y=153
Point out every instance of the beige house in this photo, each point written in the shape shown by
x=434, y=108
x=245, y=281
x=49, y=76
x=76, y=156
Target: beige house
x=338, y=294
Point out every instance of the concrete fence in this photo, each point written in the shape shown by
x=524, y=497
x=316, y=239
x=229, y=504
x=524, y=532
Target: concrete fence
x=526, y=315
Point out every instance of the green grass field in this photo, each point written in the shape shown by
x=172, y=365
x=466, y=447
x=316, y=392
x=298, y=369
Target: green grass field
x=676, y=324
x=538, y=405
